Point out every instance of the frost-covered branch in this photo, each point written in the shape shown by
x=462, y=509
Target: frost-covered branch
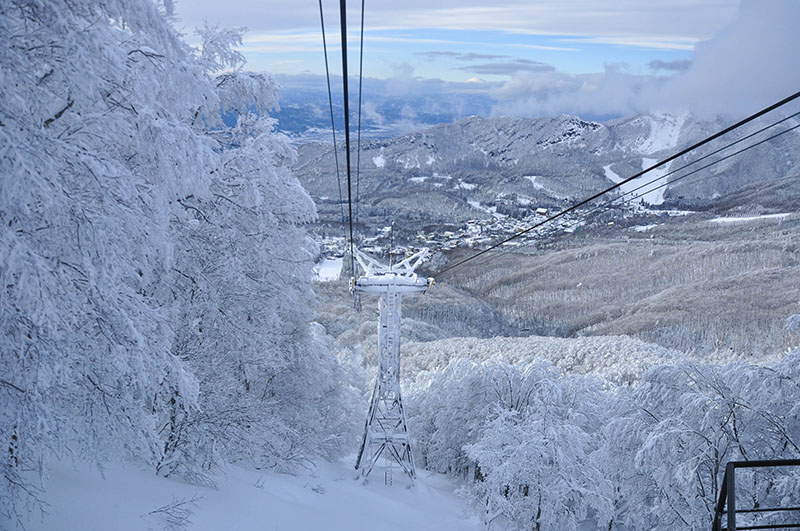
x=176, y=515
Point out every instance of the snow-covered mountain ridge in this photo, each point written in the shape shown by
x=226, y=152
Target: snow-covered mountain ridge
x=453, y=172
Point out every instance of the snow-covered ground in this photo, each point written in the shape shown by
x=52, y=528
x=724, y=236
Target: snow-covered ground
x=490, y=210
x=653, y=196
x=645, y=228
x=539, y=186
x=750, y=218
x=328, y=269
x=125, y=498
x=664, y=132
x=648, y=193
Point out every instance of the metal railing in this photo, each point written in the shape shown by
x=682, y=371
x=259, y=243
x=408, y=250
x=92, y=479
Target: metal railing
x=727, y=495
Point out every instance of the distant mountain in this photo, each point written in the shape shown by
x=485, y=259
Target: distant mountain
x=390, y=108
x=476, y=167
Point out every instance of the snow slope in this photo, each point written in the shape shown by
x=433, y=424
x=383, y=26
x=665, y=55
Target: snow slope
x=651, y=194
x=328, y=269
x=750, y=218
x=327, y=499
x=663, y=133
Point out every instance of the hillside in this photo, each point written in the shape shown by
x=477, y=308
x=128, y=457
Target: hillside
x=451, y=173
x=696, y=282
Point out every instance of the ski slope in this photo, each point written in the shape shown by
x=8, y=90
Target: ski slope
x=328, y=498
x=747, y=219
x=651, y=194
x=328, y=269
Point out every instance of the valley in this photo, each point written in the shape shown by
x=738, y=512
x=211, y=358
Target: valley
x=710, y=275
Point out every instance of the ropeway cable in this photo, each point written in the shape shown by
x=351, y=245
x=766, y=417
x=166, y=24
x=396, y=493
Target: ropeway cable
x=672, y=172
x=360, y=83
x=330, y=105
x=343, y=19
x=642, y=194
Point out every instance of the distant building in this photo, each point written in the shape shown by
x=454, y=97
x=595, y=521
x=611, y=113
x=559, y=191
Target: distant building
x=541, y=211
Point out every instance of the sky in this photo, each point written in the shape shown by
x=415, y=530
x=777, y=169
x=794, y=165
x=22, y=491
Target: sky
x=543, y=57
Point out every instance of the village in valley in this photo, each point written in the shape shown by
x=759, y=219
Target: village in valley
x=480, y=233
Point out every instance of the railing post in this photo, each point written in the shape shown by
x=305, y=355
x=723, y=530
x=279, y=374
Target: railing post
x=730, y=473
x=727, y=496
x=720, y=507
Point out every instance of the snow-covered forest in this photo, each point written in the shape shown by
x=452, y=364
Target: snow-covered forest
x=540, y=448
x=158, y=310
x=156, y=276
x=598, y=432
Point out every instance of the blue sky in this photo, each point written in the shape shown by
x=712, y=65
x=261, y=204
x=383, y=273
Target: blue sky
x=586, y=57
x=452, y=55
x=573, y=36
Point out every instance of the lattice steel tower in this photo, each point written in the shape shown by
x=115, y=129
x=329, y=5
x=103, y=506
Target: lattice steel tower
x=385, y=432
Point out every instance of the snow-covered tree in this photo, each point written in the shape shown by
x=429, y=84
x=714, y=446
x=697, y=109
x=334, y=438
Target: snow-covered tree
x=527, y=433
x=156, y=299
x=703, y=417
x=93, y=154
x=551, y=450
x=442, y=432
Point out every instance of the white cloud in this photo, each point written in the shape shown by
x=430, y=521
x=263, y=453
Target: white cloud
x=504, y=68
x=747, y=60
x=408, y=113
x=371, y=114
x=748, y=65
x=658, y=42
x=668, y=23
x=679, y=65
x=610, y=93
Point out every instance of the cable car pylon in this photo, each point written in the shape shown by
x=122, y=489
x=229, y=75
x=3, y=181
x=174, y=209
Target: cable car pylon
x=386, y=431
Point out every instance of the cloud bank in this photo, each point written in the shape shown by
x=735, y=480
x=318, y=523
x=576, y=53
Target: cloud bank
x=680, y=65
x=746, y=66
x=750, y=64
